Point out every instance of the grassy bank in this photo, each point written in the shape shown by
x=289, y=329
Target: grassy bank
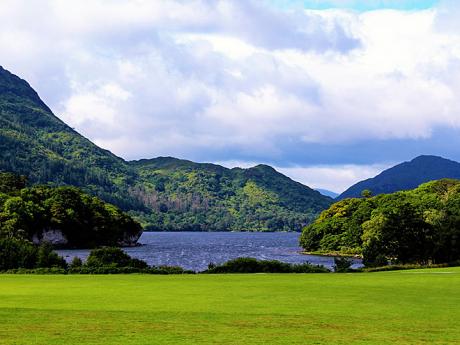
x=402, y=307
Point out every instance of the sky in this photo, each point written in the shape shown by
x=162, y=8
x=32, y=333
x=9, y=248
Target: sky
x=328, y=92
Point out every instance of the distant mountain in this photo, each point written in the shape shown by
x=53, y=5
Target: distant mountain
x=197, y=196
x=163, y=193
x=328, y=193
x=405, y=176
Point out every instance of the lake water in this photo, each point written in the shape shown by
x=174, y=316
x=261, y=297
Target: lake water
x=195, y=250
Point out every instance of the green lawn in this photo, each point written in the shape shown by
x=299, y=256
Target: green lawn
x=403, y=307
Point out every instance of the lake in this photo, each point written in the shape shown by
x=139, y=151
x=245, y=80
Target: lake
x=195, y=250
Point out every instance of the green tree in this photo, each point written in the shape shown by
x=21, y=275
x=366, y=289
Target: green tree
x=47, y=258
x=10, y=183
x=366, y=193
x=112, y=257
x=16, y=253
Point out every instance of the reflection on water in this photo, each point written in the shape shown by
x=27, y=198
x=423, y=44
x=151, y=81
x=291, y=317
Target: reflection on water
x=195, y=250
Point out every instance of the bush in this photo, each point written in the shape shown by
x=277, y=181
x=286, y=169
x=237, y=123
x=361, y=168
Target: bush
x=106, y=270
x=76, y=263
x=380, y=260
x=113, y=257
x=16, y=253
x=129, y=270
x=169, y=270
x=43, y=270
x=409, y=267
x=342, y=265
x=251, y=265
x=47, y=258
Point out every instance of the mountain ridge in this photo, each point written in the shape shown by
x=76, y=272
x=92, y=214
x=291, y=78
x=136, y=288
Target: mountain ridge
x=405, y=176
x=163, y=193
x=327, y=192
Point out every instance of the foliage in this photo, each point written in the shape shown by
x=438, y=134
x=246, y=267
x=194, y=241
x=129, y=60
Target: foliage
x=418, y=226
x=163, y=193
x=35, y=143
x=10, y=183
x=112, y=257
x=16, y=253
x=342, y=265
x=40, y=270
x=163, y=270
x=184, y=195
x=19, y=253
x=366, y=193
x=47, y=258
x=84, y=221
x=251, y=265
x=76, y=263
x=407, y=267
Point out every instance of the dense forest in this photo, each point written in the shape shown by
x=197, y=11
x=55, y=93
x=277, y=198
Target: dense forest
x=162, y=193
x=417, y=226
x=192, y=196
x=64, y=216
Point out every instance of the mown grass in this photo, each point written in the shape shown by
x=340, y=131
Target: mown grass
x=402, y=307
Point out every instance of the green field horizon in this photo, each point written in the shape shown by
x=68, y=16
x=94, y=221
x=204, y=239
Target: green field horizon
x=401, y=307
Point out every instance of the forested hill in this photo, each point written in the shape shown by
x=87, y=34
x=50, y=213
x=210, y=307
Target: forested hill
x=194, y=196
x=417, y=226
x=405, y=176
x=162, y=193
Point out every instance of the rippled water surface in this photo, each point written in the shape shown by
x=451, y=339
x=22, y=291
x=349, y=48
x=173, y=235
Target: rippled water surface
x=195, y=250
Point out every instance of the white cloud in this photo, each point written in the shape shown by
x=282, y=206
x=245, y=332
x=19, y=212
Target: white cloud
x=149, y=78
x=336, y=178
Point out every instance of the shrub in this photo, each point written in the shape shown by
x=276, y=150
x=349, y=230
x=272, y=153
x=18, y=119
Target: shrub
x=169, y=270
x=128, y=270
x=113, y=257
x=251, y=265
x=47, y=258
x=42, y=270
x=76, y=263
x=342, y=265
x=16, y=253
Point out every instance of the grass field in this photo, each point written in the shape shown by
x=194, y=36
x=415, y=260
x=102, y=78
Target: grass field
x=403, y=307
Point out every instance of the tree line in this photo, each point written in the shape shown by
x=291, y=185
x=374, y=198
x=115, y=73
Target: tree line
x=418, y=226
x=81, y=220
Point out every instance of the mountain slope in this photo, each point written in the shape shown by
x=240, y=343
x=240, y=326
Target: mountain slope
x=163, y=193
x=35, y=143
x=191, y=196
x=405, y=176
x=328, y=193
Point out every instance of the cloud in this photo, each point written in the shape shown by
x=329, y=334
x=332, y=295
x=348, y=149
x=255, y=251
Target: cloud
x=243, y=80
x=359, y=5
x=336, y=178
x=447, y=16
